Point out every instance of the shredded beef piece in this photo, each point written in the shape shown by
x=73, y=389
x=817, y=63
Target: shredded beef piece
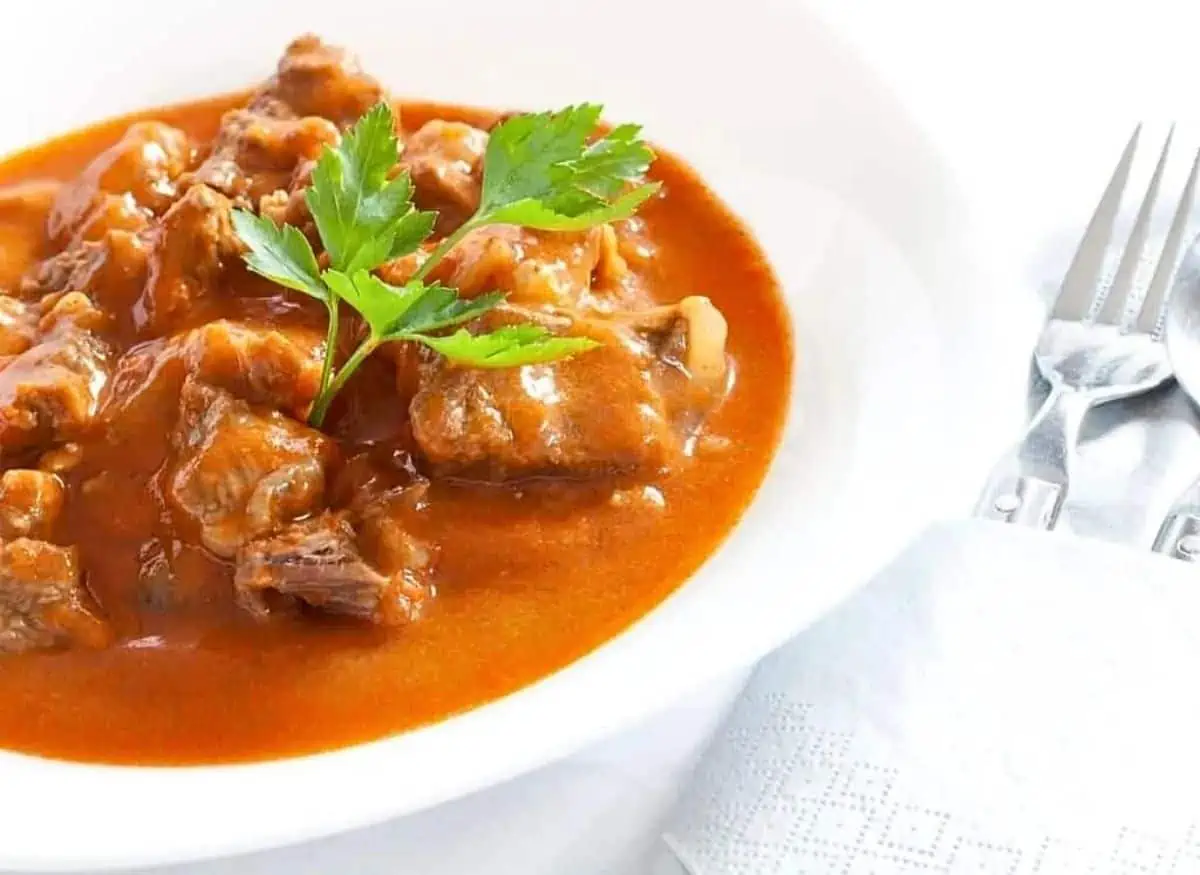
x=258, y=365
x=192, y=246
x=597, y=412
x=631, y=404
x=445, y=160
x=42, y=603
x=266, y=149
x=578, y=270
x=49, y=392
x=255, y=154
x=318, y=562
x=242, y=472
x=317, y=79
x=124, y=185
x=23, y=211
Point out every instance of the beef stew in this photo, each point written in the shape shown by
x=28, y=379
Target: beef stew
x=194, y=570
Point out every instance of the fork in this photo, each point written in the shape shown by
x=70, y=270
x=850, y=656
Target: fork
x=1100, y=343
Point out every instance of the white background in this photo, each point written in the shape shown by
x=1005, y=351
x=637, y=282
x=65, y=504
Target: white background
x=1028, y=102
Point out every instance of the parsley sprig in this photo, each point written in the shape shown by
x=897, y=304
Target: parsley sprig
x=539, y=171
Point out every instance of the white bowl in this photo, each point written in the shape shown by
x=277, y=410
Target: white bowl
x=908, y=361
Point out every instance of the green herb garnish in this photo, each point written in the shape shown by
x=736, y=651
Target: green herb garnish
x=539, y=171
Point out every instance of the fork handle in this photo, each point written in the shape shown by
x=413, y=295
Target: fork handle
x=1029, y=484
x=1179, y=536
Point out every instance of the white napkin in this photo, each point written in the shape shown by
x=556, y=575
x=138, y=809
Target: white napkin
x=998, y=701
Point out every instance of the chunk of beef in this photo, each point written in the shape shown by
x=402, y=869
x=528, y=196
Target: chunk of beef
x=23, y=211
x=385, y=523
x=110, y=270
x=277, y=368
x=151, y=277
x=290, y=206
x=190, y=249
x=50, y=391
x=600, y=411
x=42, y=603
x=582, y=270
x=30, y=502
x=113, y=212
x=18, y=326
x=256, y=154
x=318, y=562
x=317, y=79
x=124, y=185
x=634, y=403
x=242, y=472
x=445, y=160
x=264, y=152
x=262, y=366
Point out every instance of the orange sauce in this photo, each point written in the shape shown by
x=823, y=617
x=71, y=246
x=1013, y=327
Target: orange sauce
x=529, y=580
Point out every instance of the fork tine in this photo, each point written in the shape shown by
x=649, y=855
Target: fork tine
x=1149, y=320
x=1117, y=297
x=1075, y=296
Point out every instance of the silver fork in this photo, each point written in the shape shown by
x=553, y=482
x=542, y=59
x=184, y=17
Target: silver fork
x=1100, y=344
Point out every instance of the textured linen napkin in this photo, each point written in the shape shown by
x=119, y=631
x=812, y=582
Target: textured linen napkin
x=998, y=701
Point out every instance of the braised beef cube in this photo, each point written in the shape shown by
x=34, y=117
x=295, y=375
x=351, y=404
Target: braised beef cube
x=111, y=270
x=256, y=155
x=445, y=160
x=190, y=248
x=318, y=562
x=50, y=391
x=289, y=206
x=18, y=326
x=30, y=502
x=152, y=277
x=262, y=366
x=42, y=603
x=264, y=152
x=133, y=179
x=692, y=368
x=385, y=528
x=24, y=207
x=597, y=412
x=114, y=212
x=242, y=472
x=317, y=79
x=277, y=368
x=578, y=270
x=146, y=163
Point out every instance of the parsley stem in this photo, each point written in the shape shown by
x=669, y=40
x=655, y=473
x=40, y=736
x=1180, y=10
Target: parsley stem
x=448, y=243
x=321, y=405
x=331, y=339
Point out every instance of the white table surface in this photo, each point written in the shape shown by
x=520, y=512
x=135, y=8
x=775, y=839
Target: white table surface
x=1009, y=93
